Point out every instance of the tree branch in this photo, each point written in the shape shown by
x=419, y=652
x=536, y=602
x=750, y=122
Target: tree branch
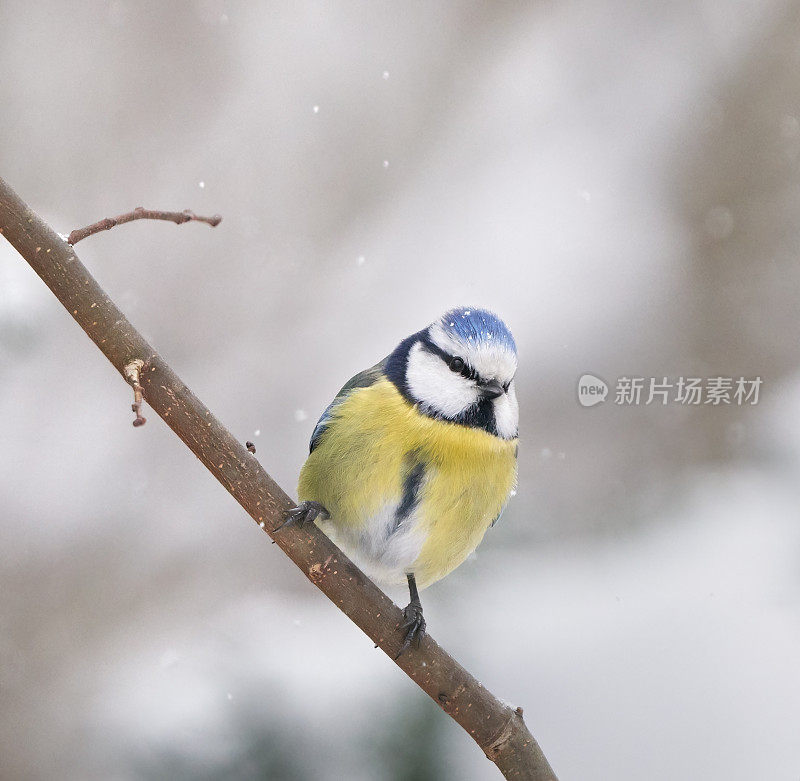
x=497, y=728
x=140, y=213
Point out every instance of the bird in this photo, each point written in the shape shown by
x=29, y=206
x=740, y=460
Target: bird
x=416, y=457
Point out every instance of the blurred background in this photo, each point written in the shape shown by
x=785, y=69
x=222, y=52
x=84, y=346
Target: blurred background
x=619, y=181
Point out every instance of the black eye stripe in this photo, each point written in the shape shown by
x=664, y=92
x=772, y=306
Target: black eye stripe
x=458, y=366
x=467, y=371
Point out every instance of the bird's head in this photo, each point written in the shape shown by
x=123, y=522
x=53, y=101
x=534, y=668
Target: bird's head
x=461, y=369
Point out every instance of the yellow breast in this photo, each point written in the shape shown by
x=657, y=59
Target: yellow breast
x=358, y=468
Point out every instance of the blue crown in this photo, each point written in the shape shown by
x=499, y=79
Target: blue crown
x=477, y=326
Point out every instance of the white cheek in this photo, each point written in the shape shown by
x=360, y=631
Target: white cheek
x=433, y=384
x=506, y=413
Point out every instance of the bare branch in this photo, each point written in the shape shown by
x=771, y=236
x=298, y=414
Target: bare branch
x=496, y=727
x=140, y=213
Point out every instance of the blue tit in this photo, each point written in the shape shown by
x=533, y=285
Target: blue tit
x=416, y=457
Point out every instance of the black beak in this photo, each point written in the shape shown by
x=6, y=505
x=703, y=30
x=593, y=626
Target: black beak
x=491, y=389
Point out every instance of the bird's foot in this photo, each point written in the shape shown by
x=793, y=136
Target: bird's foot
x=305, y=513
x=414, y=626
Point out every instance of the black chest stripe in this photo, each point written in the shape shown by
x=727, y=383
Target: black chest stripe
x=410, y=498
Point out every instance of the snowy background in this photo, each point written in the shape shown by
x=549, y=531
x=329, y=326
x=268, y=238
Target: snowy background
x=619, y=181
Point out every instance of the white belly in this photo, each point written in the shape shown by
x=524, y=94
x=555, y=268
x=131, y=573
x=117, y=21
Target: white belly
x=384, y=550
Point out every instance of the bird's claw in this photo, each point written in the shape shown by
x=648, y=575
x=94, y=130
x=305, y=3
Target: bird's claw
x=304, y=513
x=414, y=624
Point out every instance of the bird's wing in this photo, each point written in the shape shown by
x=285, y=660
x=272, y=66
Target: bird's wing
x=361, y=380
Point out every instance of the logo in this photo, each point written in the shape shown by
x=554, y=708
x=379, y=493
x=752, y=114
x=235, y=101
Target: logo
x=634, y=391
x=591, y=390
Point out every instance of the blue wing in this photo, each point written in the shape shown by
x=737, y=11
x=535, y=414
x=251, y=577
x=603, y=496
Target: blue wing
x=361, y=380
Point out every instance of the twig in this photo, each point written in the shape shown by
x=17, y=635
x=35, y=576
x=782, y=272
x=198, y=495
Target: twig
x=140, y=213
x=496, y=727
x=133, y=374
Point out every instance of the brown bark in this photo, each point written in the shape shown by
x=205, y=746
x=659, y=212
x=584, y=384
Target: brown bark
x=497, y=728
